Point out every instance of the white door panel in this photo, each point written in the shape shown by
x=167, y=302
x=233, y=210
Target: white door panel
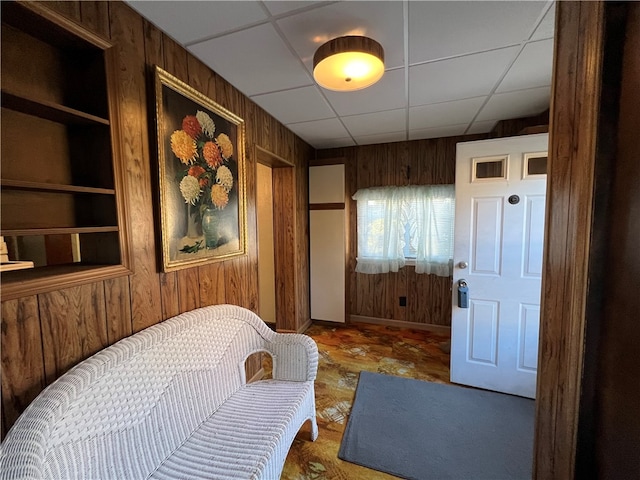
x=495, y=341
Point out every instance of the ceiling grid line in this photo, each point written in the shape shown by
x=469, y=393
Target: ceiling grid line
x=451, y=67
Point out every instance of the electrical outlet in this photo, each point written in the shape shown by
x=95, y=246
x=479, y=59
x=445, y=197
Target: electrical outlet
x=403, y=301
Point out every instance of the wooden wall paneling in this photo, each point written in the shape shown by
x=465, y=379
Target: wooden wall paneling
x=188, y=289
x=233, y=279
x=155, y=55
x=512, y=127
x=398, y=282
x=227, y=96
x=95, y=16
x=303, y=307
x=575, y=97
x=251, y=260
x=74, y=326
x=118, y=308
x=617, y=377
x=429, y=299
x=128, y=34
x=169, y=295
x=200, y=77
x=22, y=358
x=69, y=9
x=175, y=61
x=351, y=185
x=284, y=248
x=212, y=284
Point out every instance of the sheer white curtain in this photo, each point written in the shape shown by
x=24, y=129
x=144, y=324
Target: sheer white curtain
x=435, y=213
x=380, y=243
x=398, y=222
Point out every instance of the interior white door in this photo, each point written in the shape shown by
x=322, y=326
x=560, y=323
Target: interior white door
x=498, y=240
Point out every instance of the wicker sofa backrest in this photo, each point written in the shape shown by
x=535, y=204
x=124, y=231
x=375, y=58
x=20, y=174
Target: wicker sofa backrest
x=158, y=384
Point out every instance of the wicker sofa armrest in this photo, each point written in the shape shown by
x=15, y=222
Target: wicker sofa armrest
x=295, y=357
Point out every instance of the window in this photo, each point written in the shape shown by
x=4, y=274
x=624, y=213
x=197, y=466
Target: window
x=400, y=223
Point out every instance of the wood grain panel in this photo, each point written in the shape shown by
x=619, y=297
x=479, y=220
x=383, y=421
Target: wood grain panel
x=284, y=247
x=169, y=294
x=22, y=363
x=188, y=289
x=175, y=59
x=251, y=260
x=127, y=33
x=234, y=282
x=303, y=306
x=617, y=378
x=69, y=9
x=575, y=96
x=200, y=77
x=74, y=326
x=212, y=284
x=95, y=16
x=118, y=308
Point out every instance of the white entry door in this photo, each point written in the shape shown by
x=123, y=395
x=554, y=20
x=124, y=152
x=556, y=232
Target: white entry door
x=499, y=234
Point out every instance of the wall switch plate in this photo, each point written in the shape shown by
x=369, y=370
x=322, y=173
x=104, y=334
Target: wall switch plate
x=403, y=301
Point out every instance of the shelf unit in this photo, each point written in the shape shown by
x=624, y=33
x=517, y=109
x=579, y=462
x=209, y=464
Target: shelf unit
x=63, y=199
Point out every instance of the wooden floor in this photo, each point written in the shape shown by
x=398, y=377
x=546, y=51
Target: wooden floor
x=344, y=352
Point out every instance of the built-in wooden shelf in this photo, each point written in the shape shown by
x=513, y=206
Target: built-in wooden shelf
x=53, y=187
x=49, y=110
x=23, y=232
x=63, y=177
x=36, y=280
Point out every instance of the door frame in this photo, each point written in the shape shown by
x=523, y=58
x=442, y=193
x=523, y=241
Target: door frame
x=581, y=118
x=284, y=217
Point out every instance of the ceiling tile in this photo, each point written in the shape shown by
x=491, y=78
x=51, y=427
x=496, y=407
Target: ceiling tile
x=381, y=138
x=518, y=104
x=376, y=123
x=296, y=105
x=532, y=68
x=280, y=7
x=382, y=21
x=444, y=29
x=443, y=114
x=188, y=20
x=481, y=127
x=457, y=78
x=547, y=25
x=320, y=130
x=387, y=94
x=437, y=132
x=254, y=61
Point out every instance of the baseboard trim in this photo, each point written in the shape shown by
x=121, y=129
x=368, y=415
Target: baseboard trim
x=304, y=327
x=441, y=329
x=301, y=329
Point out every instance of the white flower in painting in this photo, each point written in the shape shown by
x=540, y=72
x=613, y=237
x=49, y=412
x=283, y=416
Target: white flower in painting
x=224, y=177
x=190, y=189
x=208, y=127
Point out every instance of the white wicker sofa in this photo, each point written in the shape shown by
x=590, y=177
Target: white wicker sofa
x=171, y=402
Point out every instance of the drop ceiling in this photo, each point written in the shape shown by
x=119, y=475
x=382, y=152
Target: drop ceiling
x=452, y=67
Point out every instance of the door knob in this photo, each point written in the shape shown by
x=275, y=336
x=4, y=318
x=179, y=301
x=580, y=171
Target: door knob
x=463, y=264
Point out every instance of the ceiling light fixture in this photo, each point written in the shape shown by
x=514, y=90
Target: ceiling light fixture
x=348, y=63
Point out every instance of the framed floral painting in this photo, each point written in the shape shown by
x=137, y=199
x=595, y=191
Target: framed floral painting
x=201, y=175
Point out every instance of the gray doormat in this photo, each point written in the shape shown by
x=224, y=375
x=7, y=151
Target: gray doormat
x=423, y=430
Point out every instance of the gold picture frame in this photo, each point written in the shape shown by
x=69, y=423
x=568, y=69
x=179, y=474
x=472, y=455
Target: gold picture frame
x=201, y=173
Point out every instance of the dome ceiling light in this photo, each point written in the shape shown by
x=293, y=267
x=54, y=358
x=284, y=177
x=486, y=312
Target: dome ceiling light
x=348, y=63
